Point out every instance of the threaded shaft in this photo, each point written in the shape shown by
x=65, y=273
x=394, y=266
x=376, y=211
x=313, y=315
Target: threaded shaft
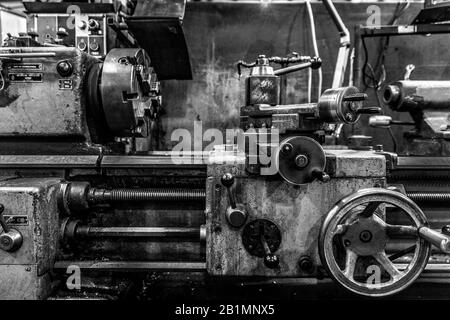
x=151, y=194
x=429, y=196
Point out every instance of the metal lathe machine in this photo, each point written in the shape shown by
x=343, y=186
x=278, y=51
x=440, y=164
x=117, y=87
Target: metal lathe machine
x=86, y=209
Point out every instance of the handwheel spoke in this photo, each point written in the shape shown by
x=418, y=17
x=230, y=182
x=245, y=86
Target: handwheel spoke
x=370, y=208
x=400, y=230
x=401, y=253
x=350, y=263
x=383, y=259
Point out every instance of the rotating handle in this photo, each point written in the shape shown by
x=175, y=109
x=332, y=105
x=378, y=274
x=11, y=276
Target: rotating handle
x=436, y=238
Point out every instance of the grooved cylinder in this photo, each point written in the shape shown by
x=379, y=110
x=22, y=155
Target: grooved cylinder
x=151, y=194
x=429, y=196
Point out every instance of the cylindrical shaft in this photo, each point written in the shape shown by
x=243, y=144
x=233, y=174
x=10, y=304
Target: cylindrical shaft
x=429, y=196
x=408, y=95
x=27, y=55
x=138, y=232
x=441, y=241
x=152, y=194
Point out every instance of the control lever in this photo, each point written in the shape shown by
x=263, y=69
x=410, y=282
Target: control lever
x=271, y=260
x=386, y=122
x=321, y=175
x=236, y=215
x=436, y=238
x=11, y=239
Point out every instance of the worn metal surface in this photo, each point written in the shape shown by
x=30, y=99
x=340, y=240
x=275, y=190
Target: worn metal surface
x=33, y=102
x=33, y=200
x=297, y=211
x=125, y=73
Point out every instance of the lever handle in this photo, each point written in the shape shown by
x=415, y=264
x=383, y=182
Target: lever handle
x=436, y=238
x=11, y=239
x=271, y=260
x=236, y=214
x=227, y=181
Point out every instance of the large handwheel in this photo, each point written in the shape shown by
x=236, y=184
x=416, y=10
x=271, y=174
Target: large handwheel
x=354, y=237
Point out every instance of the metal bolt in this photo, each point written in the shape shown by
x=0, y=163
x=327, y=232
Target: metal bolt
x=306, y=265
x=365, y=236
x=286, y=148
x=301, y=161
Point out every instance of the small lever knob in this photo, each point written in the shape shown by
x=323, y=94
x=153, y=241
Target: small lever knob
x=321, y=175
x=227, y=180
x=11, y=239
x=271, y=260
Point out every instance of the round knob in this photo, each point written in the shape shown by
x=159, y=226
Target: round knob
x=93, y=24
x=11, y=241
x=94, y=46
x=227, y=180
x=236, y=217
x=64, y=68
x=82, y=45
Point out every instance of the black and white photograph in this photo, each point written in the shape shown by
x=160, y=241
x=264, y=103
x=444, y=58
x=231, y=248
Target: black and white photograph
x=224, y=159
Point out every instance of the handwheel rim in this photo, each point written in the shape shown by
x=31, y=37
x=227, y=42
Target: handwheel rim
x=340, y=212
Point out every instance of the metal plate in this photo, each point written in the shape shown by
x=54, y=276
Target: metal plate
x=163, y=39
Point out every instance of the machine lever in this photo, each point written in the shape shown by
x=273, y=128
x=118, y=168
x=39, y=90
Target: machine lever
x=321, y=176
x=11, y=239
x=440, y=240
x=271, y=260
x=236, y=214
x=227, y=181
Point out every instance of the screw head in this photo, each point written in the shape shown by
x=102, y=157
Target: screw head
x=301, y=161
x=365, y=236
x=286, y=148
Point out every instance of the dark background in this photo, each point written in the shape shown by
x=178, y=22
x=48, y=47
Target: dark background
x=220, y=34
